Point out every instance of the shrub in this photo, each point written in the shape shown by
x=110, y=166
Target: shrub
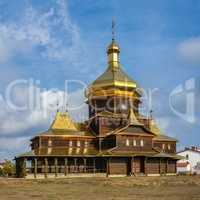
x=8, y=169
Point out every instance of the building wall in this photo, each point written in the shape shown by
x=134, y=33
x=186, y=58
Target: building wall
x=65, y=146
x=138, y=165
x=171, y=166
x=152, y=166
x=185, y=169
x=142, y=165
x=160, y=166
x=118, y=166
x=134, y=143
x=107, y=124
x=108, y=142
x=114, y=104
x=165, y=146
x=192, y=157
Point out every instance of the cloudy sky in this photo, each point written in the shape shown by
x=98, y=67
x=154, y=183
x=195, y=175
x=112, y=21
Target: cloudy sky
x=45, y=43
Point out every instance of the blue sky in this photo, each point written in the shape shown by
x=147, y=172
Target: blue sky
x=53, y=41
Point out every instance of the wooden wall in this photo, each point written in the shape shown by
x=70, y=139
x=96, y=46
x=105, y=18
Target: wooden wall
x=113, y=104
x=108, y=142
x=108, y=124
x=152, y=166
x=118, y=166
x=171, y=166
x=65, y=145
x=121, y=143
x=138, y=165
x=159, y=144
x=160, y=166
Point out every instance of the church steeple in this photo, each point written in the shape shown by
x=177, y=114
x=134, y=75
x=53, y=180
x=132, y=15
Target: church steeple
x=114, y=82
x=113, y=51
x=63, y=122
x=132, y=118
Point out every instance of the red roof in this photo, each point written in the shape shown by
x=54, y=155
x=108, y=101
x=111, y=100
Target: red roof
x=182, y=164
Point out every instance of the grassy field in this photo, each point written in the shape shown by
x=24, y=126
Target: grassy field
x=133, y=188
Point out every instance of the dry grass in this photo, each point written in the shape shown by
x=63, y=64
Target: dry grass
x=148, y=188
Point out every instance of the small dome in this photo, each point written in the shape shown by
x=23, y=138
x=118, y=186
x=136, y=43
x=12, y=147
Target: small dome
x=113, y=47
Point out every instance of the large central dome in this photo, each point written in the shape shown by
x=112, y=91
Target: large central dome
x=114, y=77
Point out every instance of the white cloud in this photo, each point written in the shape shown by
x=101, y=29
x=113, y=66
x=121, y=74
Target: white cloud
x=16, y=127
x=51, y=33
x=190, y=50
x=11, y=147
x=41, y=110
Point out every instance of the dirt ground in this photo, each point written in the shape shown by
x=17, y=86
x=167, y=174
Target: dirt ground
x=133, y=188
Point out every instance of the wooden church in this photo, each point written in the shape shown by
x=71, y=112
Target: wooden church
x=115, y=140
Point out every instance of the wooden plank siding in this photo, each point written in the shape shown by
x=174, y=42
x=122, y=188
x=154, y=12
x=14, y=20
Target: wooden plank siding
x=138, y=165
x=153, y=166
x=118, y=166
x=107, y=124
x=122, y=146
x=66, y=146
x=108, y=142
x=166, y=148
x=171, y=166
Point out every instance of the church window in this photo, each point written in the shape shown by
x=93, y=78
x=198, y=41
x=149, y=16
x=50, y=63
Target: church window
x=163, y=146
x=86, y=143
x=127, y=142
x=141, y=143
x=134, y=143
x=78, y=143
x=49, y=142
x=70, y=143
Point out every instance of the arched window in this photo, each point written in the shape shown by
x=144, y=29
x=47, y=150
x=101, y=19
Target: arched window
x=134, y=143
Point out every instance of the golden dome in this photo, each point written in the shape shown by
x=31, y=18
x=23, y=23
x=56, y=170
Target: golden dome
x=114, y=81
x=113, y=47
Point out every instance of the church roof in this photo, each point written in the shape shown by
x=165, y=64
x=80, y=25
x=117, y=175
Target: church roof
x=167, y=155
x=66, y=133
x=164, y=138
x=133, y=126
x=114, y=75
x=154, y=128
x=114, y=78
x=64, y=125
x=63, y=121
x=133, y=119
x=26, y=154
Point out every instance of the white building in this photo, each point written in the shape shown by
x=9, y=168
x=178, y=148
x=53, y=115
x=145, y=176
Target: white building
x=191, y=162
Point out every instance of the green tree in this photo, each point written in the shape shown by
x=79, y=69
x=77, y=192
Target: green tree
x=8, y=168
